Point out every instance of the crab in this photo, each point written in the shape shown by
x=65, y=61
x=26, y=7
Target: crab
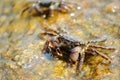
x=76, y=48
x=46, y=7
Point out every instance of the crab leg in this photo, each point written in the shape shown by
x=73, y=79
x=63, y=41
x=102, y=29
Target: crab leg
x=74, y=56
x=102, y=47
x=35, y=6
x=55, y=46
x=46, y=46
x=101, y=54
x=80, y=63
x=101, y=41
x=47, y=33
x=63, y=6
x=25, y=9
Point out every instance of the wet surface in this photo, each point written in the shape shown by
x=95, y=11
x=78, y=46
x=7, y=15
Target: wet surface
x=20, y=45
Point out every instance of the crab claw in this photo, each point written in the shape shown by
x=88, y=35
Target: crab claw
x=74, y=54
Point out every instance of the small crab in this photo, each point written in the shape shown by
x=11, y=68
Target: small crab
x=77, y=49
x=46, y=7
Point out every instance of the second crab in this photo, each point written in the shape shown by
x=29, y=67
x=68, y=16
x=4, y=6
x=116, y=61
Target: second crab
x=46, y=8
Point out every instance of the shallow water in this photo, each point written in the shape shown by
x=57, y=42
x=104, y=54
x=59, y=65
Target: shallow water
x=20, y=46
